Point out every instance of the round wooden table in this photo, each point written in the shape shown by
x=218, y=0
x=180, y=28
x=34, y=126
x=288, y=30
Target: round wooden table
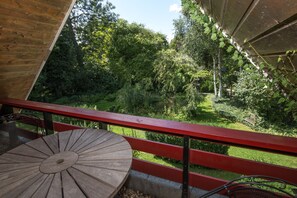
x=78, y=163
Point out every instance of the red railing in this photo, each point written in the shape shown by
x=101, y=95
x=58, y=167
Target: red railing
x=271, y=143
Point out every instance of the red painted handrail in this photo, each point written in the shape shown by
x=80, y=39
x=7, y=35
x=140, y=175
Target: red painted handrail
x=207, y=159
x=259, y=141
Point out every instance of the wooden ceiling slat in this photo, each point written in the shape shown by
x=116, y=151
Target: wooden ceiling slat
x=281, y=40
x=231, y=19
x=217, y=9
x=266, y=28
x=9, y=68
x=265, y=15
x=34, y=35
x=18, y=62
x=32, y=7
x=29, y=16
x=206, y=4
x=14, y=48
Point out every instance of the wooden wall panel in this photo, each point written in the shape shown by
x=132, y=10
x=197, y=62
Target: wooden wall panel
x=28, y=30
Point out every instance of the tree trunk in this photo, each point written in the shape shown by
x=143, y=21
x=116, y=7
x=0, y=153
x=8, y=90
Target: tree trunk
x=78, y=51
x=214, y=76
x=220, y=94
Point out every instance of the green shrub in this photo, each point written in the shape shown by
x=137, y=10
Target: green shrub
x=134, y=99
x=195, y=144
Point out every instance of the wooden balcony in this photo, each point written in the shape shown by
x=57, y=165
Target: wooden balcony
x=257, y=141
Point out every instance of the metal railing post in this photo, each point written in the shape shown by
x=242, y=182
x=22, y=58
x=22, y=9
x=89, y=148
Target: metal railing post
x=48, y=123
x=103, y=125
x=11, y=126
x=186, y=157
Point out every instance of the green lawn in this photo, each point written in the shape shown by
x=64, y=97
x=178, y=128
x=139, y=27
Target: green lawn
x=206, y=116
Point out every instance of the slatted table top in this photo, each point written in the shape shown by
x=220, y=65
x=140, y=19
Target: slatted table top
x=78, y=163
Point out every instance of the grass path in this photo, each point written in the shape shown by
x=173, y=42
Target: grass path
x=207, y=116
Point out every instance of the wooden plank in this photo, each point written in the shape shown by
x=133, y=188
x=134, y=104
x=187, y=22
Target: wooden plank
x=75, y=135
x=235, y=10
x=266, y=14
x=86, y=137
x=86, y=144
x=28, y=192
x=36, y=36
x=63, y=140
x=4, y=63
x=41, y=146
x=281, y=40
x=19, y=186
x=124, y=154
x=12, y=166
x=10, y=180
x=105, y=137
x=14, y=173
x=116, y=140
x=70, y=189
x=7, y=10
x=260, y=141
x=21, y=41
x=157, y=148
x=44, y=187
x=120, y=165
x=14, y=48
x=20, y=158
x=241, y=166
x=92, y=187
x=56, y=187
x=175, y=174
x=112, y=177
x=52, y=142
x=217, y=9
x=28, y=151
x=31, y=8
x=26, y=25
x=108, y=149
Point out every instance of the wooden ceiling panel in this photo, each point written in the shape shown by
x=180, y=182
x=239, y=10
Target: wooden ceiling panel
x=279, y=41
x=218, y=9
x=28, y=30
x=232, y=19
x=263, y=16
x=266, y=28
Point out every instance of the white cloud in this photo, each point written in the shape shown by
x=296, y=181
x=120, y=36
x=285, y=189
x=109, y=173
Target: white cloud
x=175, y=8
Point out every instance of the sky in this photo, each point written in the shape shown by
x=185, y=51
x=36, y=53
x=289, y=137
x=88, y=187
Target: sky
x=156, y=15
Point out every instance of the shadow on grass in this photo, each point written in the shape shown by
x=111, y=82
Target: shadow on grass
x=206, y=114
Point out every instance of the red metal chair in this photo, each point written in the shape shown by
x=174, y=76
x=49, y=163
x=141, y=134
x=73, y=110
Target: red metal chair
x=256, y=186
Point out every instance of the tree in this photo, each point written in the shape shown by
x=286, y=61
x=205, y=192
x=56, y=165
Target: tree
x=59, y=71
x=133, y=50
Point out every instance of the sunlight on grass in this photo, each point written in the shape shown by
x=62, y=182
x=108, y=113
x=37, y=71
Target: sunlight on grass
x=206, y=116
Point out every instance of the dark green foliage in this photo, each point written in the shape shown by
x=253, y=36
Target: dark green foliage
x=59, y=72
x=136, y=100
x=133, y=51
x=195, y=144
x=258, y=93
